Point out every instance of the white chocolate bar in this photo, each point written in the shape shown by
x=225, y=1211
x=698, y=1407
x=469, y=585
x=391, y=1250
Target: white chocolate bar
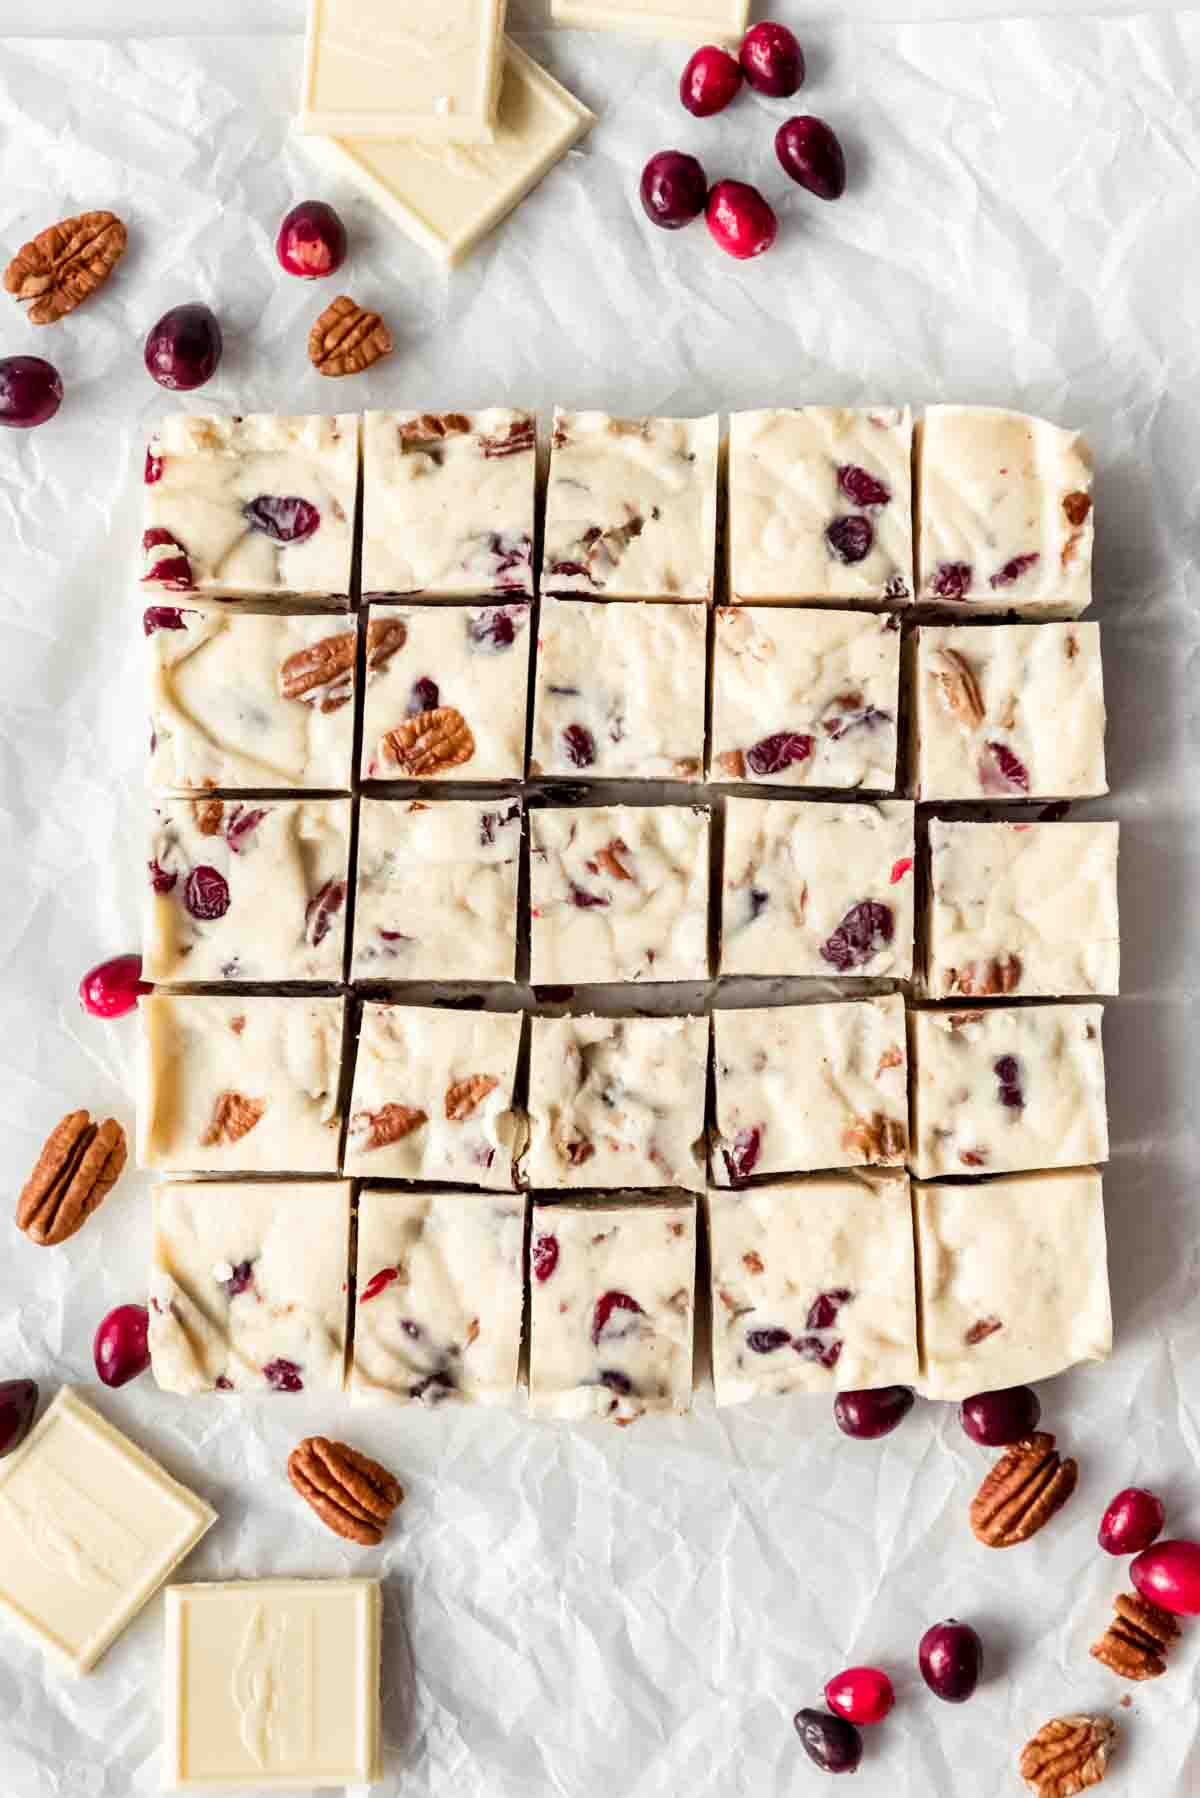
x=690, y=20
x=395, y=68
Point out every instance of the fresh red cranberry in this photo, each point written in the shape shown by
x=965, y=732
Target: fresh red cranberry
x=1169, y=1574
x=850, y=539
x=285, y=519
x=950, y=1657
x=321, y=910
x=240, y=1280
x=545, y=1257
x=866, y=928
x=425, y=697
x=710, y=81
x=244, y=820
x=952, y=580
x=740, y=220
x=606, y=1304
x=772, y=60
x=1132, y=1522
x=206, y=894
x=166, y=564
x=869, y=1414
x=580, y=745
x=153, y=471
x=1008, y=1075
x=776, y=753
x=162, y=618
x=831, y=1743
x=114, y=987
x=809, y=151
x=861, y=488
x=741, y=1160
x=994, y=1419
x=283, y=1376
x=674, y=189
x=18, y=1402
x=311, y=241
x=493, y=629
x=31, y=391
x=1000, y=771
x=162, y=880
x=122, y=1347
x=861, y=1694
x=1012, y=571
x=767, y=1342
x=378, y=1283
x=184, y=347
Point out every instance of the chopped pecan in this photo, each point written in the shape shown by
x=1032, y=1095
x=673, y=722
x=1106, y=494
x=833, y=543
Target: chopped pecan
x=686, y=767
x=427, y=744
x=64, y=265
x=351, y=1493
x=432, y=427
x=981, y=1330
x=578, y=1152
x=392, y=1124
x=1067, y=1755
x=466, y=1096
x=609, y=859
x=753, y=1262
x=347, y=338
x=234, y=1116
x=517, y=440
x=75, y=1172
x=1077, y=506
x=1028, y=1484
x=321, y=675
x=733, y=763
x=1138, y=1640
x=877, y=1138
x=209, y=815
x=984, y=979
x=386, y=637
x=891, y=1058
x=958, y=688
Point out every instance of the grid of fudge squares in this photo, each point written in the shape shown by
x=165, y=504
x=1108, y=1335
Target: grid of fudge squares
x=386, y=70
x=723, y=20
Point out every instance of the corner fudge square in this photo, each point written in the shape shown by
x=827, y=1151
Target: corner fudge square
x=805, y=699
x=255, y=505
x=1029, y=909
x=813, y=1286
x=815, y=889
x=620, y=690
x=1014, y=1280
x=240, y=1084
x=612, y=1305
x=433, y=1096
x=249, y=1287
x=441, y=1294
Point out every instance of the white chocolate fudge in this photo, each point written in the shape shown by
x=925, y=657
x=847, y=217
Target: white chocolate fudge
x=245, y=1084
x=618, y=893
x=433, y=1096
x=620, y=691
x=612, y=1305
x=401, y=68
x=617, y=1102
x=247, y=890
x=813, y=889
x=689, y=20
x=446, y=693
x=448, y=502
x=813, y=1286
x=441, y=1297
x=248, y=1287
x=820, y=505
x=804, y=1087
x=1013, y=1279
x=437, y=890
x=89, y=1529
x=1029, y=909
x=237, y=507
x=631, y=507
x=805, y=699
x=1005, y=512
x=1009, y=711
x=272, y=1685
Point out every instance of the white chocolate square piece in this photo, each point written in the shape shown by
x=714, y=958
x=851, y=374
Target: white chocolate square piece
x=1028, y=909
x=612, y=1303
x=820, y=505
x=248, y=1287
x=618, y=893
x=401, y=68
x=805, y=699
x=89, y=1529
x=433, y=1096
x=247, y=507
x=631, y=507
x=688, y=20
x=245, y=1084
x=813, y=1286
x=804, y=1087
x=272, y=1684
x=815, y=889
x=620, y=691
x=441, y=1296
x=1014, y=1280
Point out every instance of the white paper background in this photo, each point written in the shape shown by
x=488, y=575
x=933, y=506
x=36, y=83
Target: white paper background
x=582, y=1613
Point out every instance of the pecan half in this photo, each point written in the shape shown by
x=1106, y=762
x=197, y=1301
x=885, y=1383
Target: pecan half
x=1067, y=1755
x=958, y=688
x=347, y=338
x=64, y=265
x=466, y=1096
x=1028, y=1484
x=392, y=1124
x=234, y=1116
x=75, y=1172
x=877, y=1138
x=432, y=427
x=352, y=1494
x=518, y=440
x=386, y=637
x=321, y=675
x=1138, y=1640
x=984, y=979
x=427, y=743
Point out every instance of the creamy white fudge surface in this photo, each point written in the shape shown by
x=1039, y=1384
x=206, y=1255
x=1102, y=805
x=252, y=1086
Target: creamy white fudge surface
x=816, y=889
x=612, y=1304
x=813, y=1286
x=1005, y=511
x=631, y=508
x=437, y=889
x=446, y=692
x=618, y=893
x=249, y=1287
x=441, y=1296
x=620, y=691
x=433, y=1096
x=1029, y=909
x=802, y=1087
x=805, y=699
x=237, y=507
x=448, y=502
x=246, y=890
x=1014, y=1280
x=240, y=1084
x=820, y=505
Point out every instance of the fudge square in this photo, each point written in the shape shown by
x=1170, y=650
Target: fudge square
x=245, y=1084
x=1013, y=1279
x=618, y=893
x=249, y=1286
x=446, y=693
x=813, y=1286
x=815, y=889
x=1005, y=512
x=802, y=1087
x=237, y=507
x=620, y=690
x=448, y=502
x=805, y=698
x=433, y=1096
x=1007, y=1088
x=723, y=20
x=441, y=1295
x=617, y=1102
x=1009, y=711
x=612, y=1303
x=820, y=505
x=631, y=508
x=1029, y=909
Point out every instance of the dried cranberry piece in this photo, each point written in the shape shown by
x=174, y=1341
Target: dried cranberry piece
x=867, y=718
x=283, y=518
x=866, y=928
x=765, y=1342
x=606, y=1304
x=206, y=894
x=776, y=753
x=900, y=869
x=162, y=618
x=241, y=1277
x=167, y=564
x=741, y=1159
x=491, y=822
x=823, y=1312
x=378, y=1283
x=154, y=467
x=1000, y=771
x=425, y=697
x=283, y=1376
x=242, y=821
x=493, y=629
x=759, y=902
x=1008, y=1072
x=850, y=539
x=434, y=1387
x=545, y=1257
x=222, y=1384
x=322, y=910
x=616, y=1382
x=587, y=901
x=811, y=1348
x=580, y=745
x=1012, y=571
x=952, y=580
x=861, y=488
x=162, y=879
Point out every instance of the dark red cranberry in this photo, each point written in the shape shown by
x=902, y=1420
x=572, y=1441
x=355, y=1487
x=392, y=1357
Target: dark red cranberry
x=283, y=518
x=619, y=1383
x=244, y=820
x=741, y=1160
x=759, y=902
x=815, y=1348
x=587, y=901
x=434, y=1387
x=772, y=60
x=1168, y=1573
x=606, y=1304
x=774, y=754
x=710, y=81
x=994, y=1419
x=114, y=987
x=861, y=1694
x=1008, y=1074
x=950, y=1657
x=311, y=241
x=1000, y=771
x=169, y=567
x=766, y=1342
x=162, y=618
x=866, y=928
x=831, y=1743
x=425, y=697
x=861, y=488
x=121, y=1350
x=184, y=348
x=674, y=190
x=31, y=391
x=741, y=222
x=823, y=1312
x=223, y=1384
x=850, y=539
x=580, y=745
x=206, y=894
x=868, y=717
x=321, y=910
x=1012, y=571
x=18, y=1402
x=952, y=580
x=870, y=1414
x=378, y=1283
x=545, y=1257
x=1132, y=1522
x=162, y=880
x=809, y=151
x=239, y=1280
x=493, y=629
x=283, y=1376
x=153, y=470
